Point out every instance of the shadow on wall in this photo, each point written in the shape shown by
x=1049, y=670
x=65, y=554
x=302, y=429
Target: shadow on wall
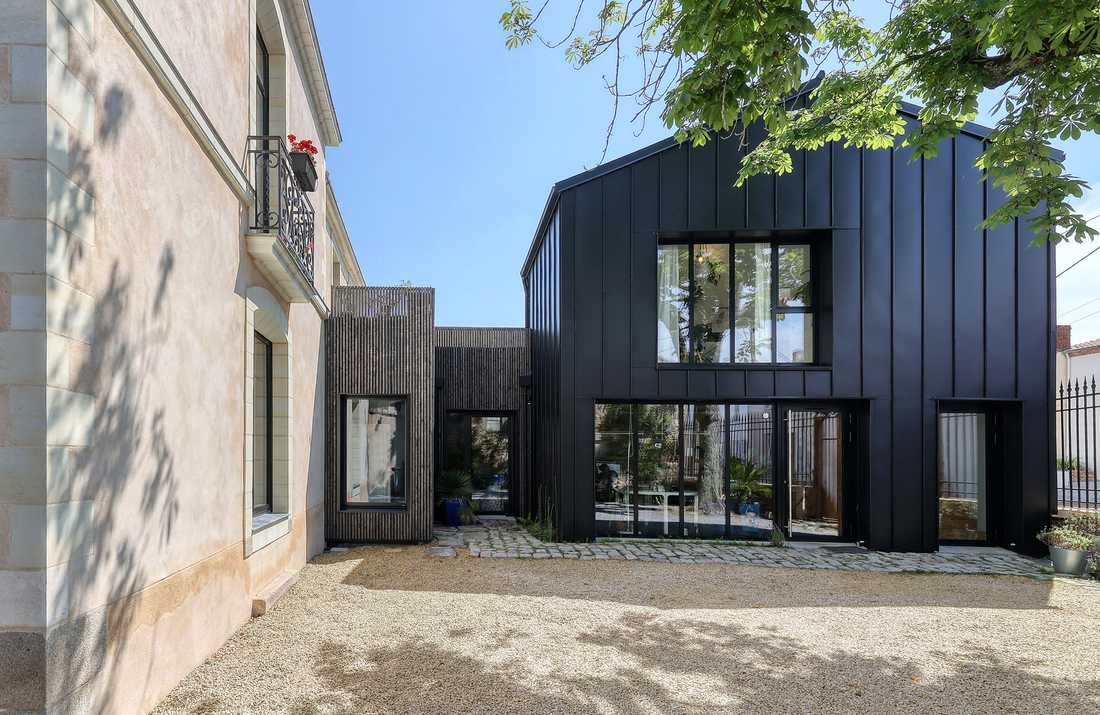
x=127, y=458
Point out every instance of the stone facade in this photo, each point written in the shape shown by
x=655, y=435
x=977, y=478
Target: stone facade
x=128, y=297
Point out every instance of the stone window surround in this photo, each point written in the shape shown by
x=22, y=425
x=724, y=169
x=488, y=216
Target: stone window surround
x=265, y=315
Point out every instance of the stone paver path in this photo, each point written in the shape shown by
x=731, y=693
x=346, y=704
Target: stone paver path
x=503, y=538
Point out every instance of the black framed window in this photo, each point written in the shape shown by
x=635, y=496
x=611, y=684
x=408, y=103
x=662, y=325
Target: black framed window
x=263, y=82
x=374, y=439
x=262, y=384
x=735, y=302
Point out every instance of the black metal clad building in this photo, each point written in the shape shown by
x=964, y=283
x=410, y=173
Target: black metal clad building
x=919, y=313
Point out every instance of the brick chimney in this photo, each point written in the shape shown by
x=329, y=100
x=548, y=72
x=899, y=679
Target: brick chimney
x=1062, y=341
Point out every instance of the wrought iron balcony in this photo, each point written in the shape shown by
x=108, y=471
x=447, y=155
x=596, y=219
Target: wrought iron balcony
x=282, y=208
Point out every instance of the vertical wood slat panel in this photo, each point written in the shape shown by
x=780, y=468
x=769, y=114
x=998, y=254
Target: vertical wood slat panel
x=380, y=342
x=478, y=370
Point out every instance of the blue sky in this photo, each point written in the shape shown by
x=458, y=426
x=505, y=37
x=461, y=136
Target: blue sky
x=451, y=144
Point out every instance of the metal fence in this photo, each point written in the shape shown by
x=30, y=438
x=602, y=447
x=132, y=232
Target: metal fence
x=1076, y=432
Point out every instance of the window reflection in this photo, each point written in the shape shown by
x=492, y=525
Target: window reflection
x=614, y=482
x=753, y=322
x=711, y=303
x=374, y=451
x=751, y=472
x=704, y=459
x=673, y=289
x=658, y=428
x=794, y=337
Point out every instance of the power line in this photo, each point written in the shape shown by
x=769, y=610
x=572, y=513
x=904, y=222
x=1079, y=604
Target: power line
x=1082, y=305
x=1078, y=261
x=1084, y=256
x=1078, y=320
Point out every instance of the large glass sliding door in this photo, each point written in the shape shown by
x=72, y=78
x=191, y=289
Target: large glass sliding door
x=706, y=470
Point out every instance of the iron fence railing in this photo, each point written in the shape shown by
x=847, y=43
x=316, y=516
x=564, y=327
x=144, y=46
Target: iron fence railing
x=1076, y=431
x=281, y=205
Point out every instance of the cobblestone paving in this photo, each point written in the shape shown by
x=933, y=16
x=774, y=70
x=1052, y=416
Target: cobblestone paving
x=503, y=538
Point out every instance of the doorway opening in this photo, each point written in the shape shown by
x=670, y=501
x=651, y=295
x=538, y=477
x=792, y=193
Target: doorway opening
x=480, y=444
x=972, y=473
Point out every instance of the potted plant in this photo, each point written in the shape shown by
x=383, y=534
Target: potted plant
x=302, y=162
x=452, y=488
x=1069, y=548
x=745, y=487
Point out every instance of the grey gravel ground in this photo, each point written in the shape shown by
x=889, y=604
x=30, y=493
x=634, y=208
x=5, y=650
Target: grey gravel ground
x=393, y=629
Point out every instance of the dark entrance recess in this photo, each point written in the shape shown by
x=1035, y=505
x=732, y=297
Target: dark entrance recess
x=481, y=444
x=818, y=485
x=977, y=453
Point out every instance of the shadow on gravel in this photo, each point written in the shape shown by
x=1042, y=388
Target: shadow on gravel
x=678, y=665
x=682, y=586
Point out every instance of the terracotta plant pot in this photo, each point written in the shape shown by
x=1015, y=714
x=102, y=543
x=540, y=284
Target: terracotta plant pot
x=304, y=170
x=1068, y=561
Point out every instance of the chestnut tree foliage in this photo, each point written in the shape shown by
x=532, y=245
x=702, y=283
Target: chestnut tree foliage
x=720, y=65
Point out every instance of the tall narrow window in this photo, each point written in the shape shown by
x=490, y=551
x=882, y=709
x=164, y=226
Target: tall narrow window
x=263, y=83
x=374, y=432
x=261, y=424
x=753, y=281
x=794, y=320
x=673, y=293
x=710, y=303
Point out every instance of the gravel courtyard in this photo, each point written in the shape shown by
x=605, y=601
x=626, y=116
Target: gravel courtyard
x=392, y=629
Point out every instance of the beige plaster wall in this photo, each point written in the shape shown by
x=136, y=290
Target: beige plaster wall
x=123, y=276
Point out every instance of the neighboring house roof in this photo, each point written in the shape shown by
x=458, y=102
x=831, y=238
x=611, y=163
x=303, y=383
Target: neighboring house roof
x=313, y=66
x=1089, y=347
x=908, y=109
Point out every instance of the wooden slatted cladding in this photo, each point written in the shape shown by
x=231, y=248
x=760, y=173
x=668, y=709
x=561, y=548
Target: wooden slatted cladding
x=379, y=342
x=478, y=370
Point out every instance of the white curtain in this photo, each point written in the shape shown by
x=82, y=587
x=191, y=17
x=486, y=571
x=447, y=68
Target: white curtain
x=669, y=300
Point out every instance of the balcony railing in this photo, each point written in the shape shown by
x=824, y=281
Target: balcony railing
x=282, y=207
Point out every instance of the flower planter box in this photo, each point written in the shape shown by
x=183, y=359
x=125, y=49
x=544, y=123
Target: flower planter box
x=305, y=172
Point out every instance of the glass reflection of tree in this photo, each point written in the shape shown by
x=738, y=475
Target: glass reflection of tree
x=709, y=425
x=489, y=450
x=710, y=305
x=794, y=275
x=752, y=278
x=656, y=426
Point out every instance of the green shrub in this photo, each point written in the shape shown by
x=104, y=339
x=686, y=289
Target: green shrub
x=541, y=529
x=453, y=484
x=1067, y=537
x=1067, y=464
x=778, y=539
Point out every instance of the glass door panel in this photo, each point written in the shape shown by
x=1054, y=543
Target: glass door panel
x=481, y=446
x=815, y=470
x=614, y=473
x=703, y=498
x=962, y=491
x=751, y=471
x=658, y=483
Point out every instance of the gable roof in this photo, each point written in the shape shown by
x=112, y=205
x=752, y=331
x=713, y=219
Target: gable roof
x=908, y=109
